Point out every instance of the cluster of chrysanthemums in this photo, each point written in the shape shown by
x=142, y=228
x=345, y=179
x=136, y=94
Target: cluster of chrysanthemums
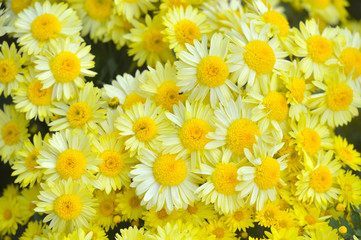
x=230, y=127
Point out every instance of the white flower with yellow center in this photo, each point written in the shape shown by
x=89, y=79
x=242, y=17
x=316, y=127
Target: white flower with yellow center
x=205, y=73
x=236, y=131
x=339, y=101
x=310, y=136
x=115, y=166
x=164, y=181
x=159, y=84
x=68, y=205
x=37, y=26
x=68, y=154
x=317, y=183
x=11, y=69
x=221, y=181
x=32, y=99
x=64, y=67
x=84, y=112
x=13, y=129
x=146, y=42
x=14, y=7
x=25, y=166
x=255, y=55
x=192, y=123
x=258, y=182
x=183, y=25
x=132, y=9
x=315, y=49
x=142, y=125
x=124, y=90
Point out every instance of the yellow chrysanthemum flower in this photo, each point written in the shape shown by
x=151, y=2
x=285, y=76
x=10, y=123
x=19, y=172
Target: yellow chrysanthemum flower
x=218, y=229
x=346, y=153
x=129, y=205
x=33, y=230
x=268, y=216
x=105, y=209
x=26, y=200
x=350, y=185
x=153, y=219
x=132, y=9
x=197, y=213
x=309, y=217
x=324, y=232
x=10, y=215
x=283, y=233
x=132, y=233
x=240, y=219
x=79, y=234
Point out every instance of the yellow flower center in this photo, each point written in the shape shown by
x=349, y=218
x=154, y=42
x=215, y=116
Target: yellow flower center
x=19, y=5
x=177, y=3
x=71, y=163
x=345, y=155
x=267, y=174
x=169, y=171
x=242, y=134
x=218, y=232
x=45, y=27
x=11, y=133
x=153, y=40
x=224, y=178
x=107, y=207
x=276, y=18
x=320, y=4
x=351, y=59
x=7, y=214
x=131, y=1
x=162, y=214
x=321, y=179
x=238, y=215
x=134, y=202
x=212, y=71
x=298, y=88
x=276, y=105
x=30, y=161
x=192, y=209
x=193, y=134
x=310, y=219
x=145, y=129
x=310, y=141
x=99, y=10
x=259, y=56
x=78, y=114
x=340, y=207
x=113, y=102
x=319, y=49
x=186, y=31
x=65, y=67
x=132, y=99
x=339, y=97
x=8, y=70
x=39, y=96
x=68, y=206
x=113, y=163
x=167, y=95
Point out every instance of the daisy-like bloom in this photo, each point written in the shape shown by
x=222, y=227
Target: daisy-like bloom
x=350, y=185
x=11, y=72
x=308, y=216
x=146, y=42
x=324, y=232
x=153, y=219
x=118, y=26
x=160, y=86
x=14, y=132
x=348, y=53
x=221, y=181
x=26, y=200
x=198, y=212
x=255, y=55
x=11, y=190
x=283, y=233
x=315, y=48
x=37, y=26
x=267, y=217
x=325, y=9
x=68, y=205
x=14, y=7
x=25, y=165
x=309, y=135
x=105, y=209
x=258, y=182
x=84, y=112
x=298, y=90
x=240, y=219
x=217, y=228
x=98, y=232
x=132, y=233
x=338, y=104
x=64, y=67
x=142, y=124
x=164, y=181
x=95, y=16
x=124, y=90
x=115, y=166
x=317, y=182
x=166, y=5
x=192, y=123
x=32, y=99
x=170, y=231
x=79, y=234
x=67, y=155
x=236, y=131
x=183, y=25
x=205, y=73
x=10, y=215
x=132, y=9
x=4, y=15
x=346, y=153
x=129, y=205
x=33, y=230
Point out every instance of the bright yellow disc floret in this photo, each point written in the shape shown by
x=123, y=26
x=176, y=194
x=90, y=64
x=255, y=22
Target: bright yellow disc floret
x=68, y=206
x=169, y=171
x=65, y=67
x=267, y=174
x=113, y=163
x=224, y=178
x=277, y=19
x=145, y=129
x=39, y=96
x=310, y=140
x=321, y=179
x=351, y=60
x=186, y=31
x=99, y=10
x=276, y=105
x=10, y=132
x=71, y=163
x=339, y=97
x=45, y=27
x=319, y=49
x=8, y=70
x=212, y=71
x=78, y=114
x=193, y=134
